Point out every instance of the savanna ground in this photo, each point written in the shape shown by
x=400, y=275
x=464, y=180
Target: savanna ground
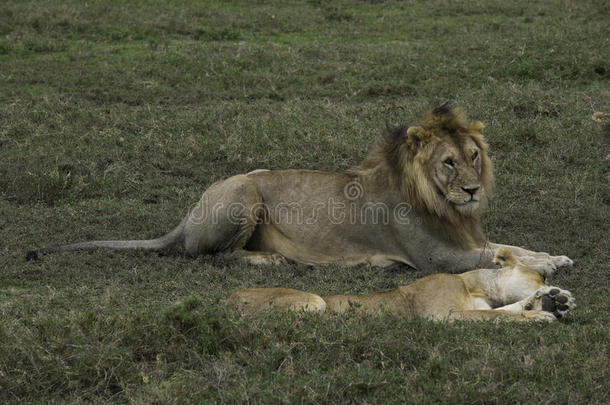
x=116, y=115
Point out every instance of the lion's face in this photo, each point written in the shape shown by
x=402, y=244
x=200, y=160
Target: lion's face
x=456, y=172
x=450, y=168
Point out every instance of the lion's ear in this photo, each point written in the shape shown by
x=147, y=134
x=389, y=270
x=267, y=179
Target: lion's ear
x=477, y=126
x=416, y=137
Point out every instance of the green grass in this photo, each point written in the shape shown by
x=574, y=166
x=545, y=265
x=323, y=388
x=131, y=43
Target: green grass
x=116, y=115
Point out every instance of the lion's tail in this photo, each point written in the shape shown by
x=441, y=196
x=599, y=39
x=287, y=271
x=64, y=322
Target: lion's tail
x=173, y=237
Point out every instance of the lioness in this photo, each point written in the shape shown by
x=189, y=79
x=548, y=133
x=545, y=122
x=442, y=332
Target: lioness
x=416, y=199
x=512, y=293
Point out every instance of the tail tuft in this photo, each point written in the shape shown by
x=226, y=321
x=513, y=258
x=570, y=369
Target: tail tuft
x=31, y=255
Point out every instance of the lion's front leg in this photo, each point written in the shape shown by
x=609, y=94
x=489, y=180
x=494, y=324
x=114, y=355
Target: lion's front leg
x=541, y=262
x=558, y=261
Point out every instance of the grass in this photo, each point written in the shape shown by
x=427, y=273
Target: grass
x=116, y=115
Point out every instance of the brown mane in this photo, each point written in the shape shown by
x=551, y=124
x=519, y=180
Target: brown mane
x=404, y=158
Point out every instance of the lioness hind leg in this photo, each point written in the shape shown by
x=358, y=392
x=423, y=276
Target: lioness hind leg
x=252, y=300
x=501, y=315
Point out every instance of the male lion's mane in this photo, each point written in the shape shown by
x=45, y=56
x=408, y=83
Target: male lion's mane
x=406, y=159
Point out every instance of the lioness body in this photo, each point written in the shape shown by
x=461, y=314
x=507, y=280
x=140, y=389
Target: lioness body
x=415, y=200
x=511, y=293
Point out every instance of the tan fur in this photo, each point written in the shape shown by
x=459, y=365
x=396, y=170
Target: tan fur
x=516, y=293
x=504, y=257
x=430, y=181
x=408, y=156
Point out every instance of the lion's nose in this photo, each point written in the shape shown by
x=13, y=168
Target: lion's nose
x=471, y=190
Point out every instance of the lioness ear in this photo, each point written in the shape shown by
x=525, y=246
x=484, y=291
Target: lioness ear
x=477, y=126
x=416, y=137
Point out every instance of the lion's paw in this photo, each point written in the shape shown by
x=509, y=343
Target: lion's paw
x=552, y=300
x=561, y=261
x=544, y=263
x=546, y=267
x=277, y=259
x=265, y=259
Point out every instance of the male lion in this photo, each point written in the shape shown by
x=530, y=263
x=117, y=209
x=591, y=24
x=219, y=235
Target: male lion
x=512, y=293
x=416, y=199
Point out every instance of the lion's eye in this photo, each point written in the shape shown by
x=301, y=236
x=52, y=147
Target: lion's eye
x=475, y=155
x=449, y=162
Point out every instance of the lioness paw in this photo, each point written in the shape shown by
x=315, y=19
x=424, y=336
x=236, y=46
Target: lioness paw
x=552, y=300
x=541, y=316
x=559, y=302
